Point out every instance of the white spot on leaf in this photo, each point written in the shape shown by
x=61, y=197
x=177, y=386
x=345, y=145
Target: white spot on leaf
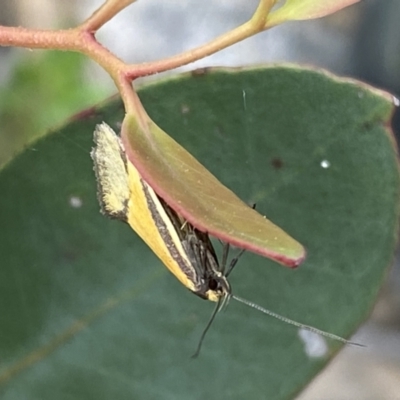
x=75, y=202
x=325, y=164
x=314, y=345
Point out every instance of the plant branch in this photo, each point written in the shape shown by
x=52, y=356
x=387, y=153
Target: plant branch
x=76, y=40
x=71, y=39
x=39, y=38
x=103, y=14
x=81, y=39
x=256, y=24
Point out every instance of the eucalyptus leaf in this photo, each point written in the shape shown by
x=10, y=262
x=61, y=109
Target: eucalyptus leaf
x=88, y=312
x=200, y=198
x=295, y=10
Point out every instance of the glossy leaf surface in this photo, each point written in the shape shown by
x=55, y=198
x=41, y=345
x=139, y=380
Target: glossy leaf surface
x=190, y=189
x=87, y=311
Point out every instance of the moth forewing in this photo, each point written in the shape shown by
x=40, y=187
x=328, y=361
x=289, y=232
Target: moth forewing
x=123, y=194
x=200, y=253
x=147, y=216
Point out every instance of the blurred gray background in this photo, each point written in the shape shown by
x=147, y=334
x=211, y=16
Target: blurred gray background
x=362, y=41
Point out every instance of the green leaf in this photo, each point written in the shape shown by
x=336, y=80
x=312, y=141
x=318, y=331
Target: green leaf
x=87, y=311
x=192, y=191
x=295, y=10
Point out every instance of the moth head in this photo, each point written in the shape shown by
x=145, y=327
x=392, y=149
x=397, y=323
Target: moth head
x=219, y=288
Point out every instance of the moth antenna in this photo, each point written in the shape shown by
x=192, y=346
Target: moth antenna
x=225, y=252
x=209, y=323
x=295, y=323
x=234, y=262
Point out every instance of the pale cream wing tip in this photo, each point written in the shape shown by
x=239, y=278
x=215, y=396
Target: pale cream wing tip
x=111, y=172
